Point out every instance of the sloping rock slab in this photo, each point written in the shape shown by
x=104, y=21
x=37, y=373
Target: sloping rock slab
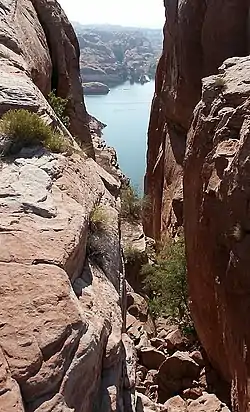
x=54, y=341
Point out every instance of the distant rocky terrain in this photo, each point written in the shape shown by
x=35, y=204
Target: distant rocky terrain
x=113, y=54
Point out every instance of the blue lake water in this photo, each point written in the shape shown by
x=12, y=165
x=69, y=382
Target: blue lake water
x=126, y=111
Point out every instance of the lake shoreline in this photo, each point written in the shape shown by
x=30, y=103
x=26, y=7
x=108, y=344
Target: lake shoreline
x=125, y=111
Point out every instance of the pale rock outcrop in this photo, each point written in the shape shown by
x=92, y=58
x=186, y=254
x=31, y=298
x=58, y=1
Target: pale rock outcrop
x=216, y=187
x=207, y=402
x=62, y=341
x=61, y=311
x=175, y=404
x=144, y=404
x=137, y=249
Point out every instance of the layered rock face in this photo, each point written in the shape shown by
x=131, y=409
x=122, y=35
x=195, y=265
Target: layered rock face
x=62, y=291
x=61, y=287
x=114, y=54
x=216, y=203
x=39, y=51
x=198, y=37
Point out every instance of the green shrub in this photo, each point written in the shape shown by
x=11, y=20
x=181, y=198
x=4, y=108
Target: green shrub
x=22, y=128
x=98, y=218
x=59, y=104
x=220, y=83
x=166, y=283
x=132, y=255
x=132, y=205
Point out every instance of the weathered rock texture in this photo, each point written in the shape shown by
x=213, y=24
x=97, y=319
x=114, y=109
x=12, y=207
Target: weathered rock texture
x=39, y=51
x=61, y=287
x=198, y=37
x=216, y=202
x=62, y=291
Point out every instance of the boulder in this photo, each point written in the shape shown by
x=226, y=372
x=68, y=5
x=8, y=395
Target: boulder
x=175, y=340
x=10, y=395
x=197, y=357
x=137, y=306
x=137, y=332
x=133, y=239
x=139, y=324
x=157, y=342
x=93, y=88
x=112, y=184
x=207, y=402
x=151, y=376
x=151, y=358
x=130, y=364
x=192, y=393
x=144, y=404
x=142, y=371
x=164, y=326
x=175, y=404
x=175, y=374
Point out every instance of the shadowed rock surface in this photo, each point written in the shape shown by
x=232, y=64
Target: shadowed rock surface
x=217, y=174
x=213, y=136
x=198, y=37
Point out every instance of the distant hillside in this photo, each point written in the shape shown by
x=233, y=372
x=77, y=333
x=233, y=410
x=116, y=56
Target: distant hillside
x=114, y=54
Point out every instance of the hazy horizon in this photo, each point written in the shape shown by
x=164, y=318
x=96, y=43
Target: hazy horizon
x=134, y=13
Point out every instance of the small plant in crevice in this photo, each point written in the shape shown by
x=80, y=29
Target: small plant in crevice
x=132, y=255
x=59, y=105
x=132, y=205
x=165, y=283
x=237, y=232
x=220, y=83
x=98, y=219
x=22, y=128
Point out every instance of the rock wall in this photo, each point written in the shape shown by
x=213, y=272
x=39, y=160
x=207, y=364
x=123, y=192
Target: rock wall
x=61, y=288
x=62, y=291
x=198, y=37
x=216, y=205
x=39, y=47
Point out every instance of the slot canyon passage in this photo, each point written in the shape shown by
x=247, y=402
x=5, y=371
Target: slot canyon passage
x=109, y=302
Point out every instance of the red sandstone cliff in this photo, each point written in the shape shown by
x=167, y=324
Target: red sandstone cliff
x=198, y=37
x=62, y=346
x=216, y=214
